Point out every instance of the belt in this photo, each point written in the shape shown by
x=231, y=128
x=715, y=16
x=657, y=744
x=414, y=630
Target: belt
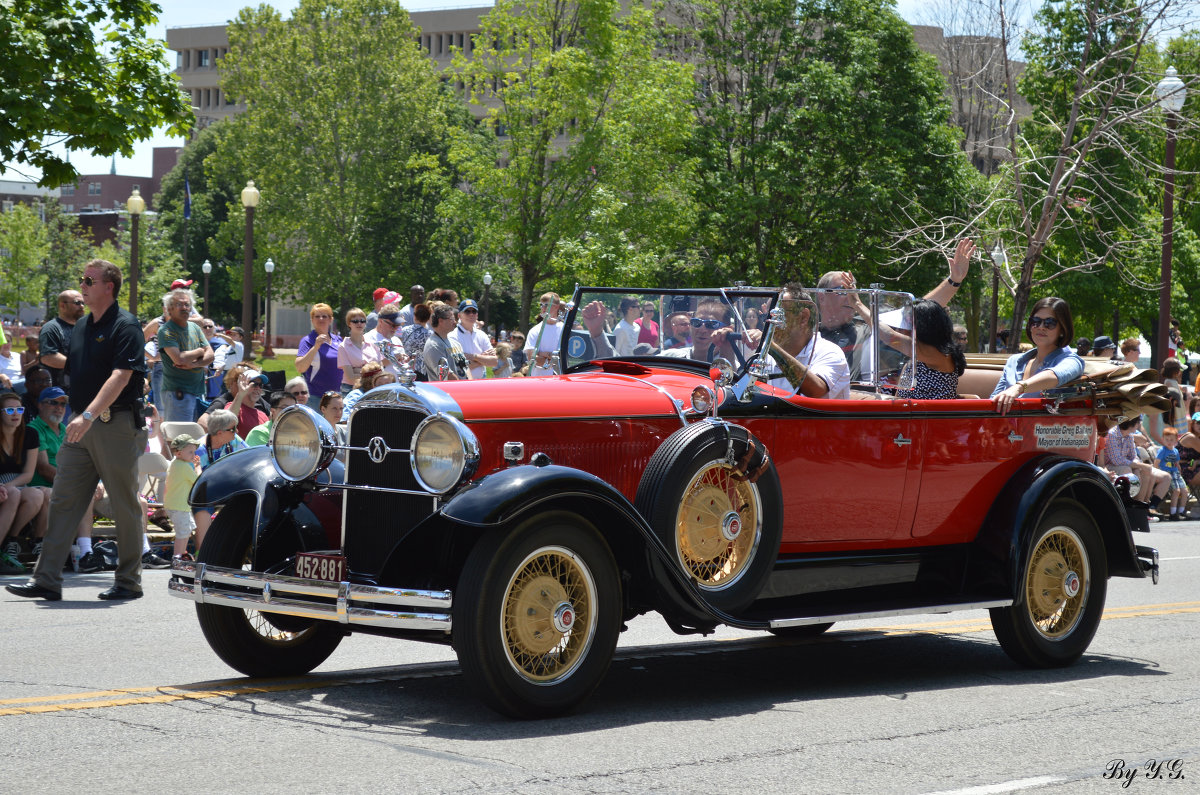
x=106, y=415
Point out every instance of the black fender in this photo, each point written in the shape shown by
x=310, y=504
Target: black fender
x=278, y=504
x=1003, y=540
x=499, y=499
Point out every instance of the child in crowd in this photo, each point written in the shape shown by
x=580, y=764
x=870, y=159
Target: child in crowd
x=1168, y=461
x=504, y=363
x=180, y=476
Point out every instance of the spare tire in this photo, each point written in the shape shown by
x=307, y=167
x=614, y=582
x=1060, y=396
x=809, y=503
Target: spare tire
x=724, y=532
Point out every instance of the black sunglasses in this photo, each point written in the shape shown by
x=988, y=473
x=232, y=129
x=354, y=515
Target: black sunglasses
x=89, y=281
x=711, y=324
x=358, y=320
x=1047, y=322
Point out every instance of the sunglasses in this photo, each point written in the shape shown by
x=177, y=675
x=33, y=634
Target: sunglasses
x=298, y=392
x=357, y=320
x=1045, y=322
x=469, y=312
x=14, y=410
x=709, y=324
x=77, y=303
x=89, y=281
x=331, y=394
x=62, y=404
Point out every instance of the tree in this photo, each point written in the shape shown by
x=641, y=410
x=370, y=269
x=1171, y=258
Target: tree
x=593, y=129
x=68, y=251
x=23, y=249
x=62, y=85
x=1083, y=174
x=822, y=129
x=344, y=134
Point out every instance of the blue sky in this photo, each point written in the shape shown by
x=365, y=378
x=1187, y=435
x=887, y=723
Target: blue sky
x=180, y=13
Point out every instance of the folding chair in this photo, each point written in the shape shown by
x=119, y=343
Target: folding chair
x=152, y=477
x=173, y=429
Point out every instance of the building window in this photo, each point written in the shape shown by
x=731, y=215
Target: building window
x=67, y=190
x=93, y=189
x=70, y=208
x=7, y=206
x=201, y=58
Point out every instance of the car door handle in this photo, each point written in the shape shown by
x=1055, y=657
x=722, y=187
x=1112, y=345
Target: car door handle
x=1015, y=437
x=900, y=441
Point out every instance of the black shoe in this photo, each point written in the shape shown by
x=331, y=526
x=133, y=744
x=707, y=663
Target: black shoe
x=120, y=592
x=31, y=590
x=91, y=562
x=152, y=561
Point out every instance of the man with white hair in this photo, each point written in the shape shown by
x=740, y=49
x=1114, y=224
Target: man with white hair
x=186, y=355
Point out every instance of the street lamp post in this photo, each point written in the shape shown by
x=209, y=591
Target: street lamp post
x=207, y=269
x=1171, y=93
x=268, y=352
x=999, y=260
x=250, y=197
x=136, y=206
x=487, y=288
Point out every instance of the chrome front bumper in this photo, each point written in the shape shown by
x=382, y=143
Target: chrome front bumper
x=343, y=602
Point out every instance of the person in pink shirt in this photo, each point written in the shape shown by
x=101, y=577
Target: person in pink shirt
x=355, y=350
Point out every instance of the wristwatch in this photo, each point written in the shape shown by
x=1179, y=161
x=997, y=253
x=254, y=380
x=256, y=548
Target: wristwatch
x=1021, y=387
x=87, y=415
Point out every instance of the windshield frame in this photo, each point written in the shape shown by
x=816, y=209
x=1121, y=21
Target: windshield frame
x=731, y=296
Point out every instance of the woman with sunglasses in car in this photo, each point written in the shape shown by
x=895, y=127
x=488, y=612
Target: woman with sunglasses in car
x=1050, y=363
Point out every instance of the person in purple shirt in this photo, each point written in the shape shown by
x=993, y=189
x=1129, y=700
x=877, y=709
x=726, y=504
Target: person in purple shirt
x=317, y=356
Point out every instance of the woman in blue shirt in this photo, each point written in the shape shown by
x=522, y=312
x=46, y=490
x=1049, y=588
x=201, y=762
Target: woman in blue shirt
x=1049, y=364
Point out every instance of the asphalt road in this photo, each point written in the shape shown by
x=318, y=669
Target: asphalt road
x=99, y=697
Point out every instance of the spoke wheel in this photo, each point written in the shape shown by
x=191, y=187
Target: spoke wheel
x=549, y=618
x=722, y=533
x=1060, y=598
x=717, y=526
x=255, y=643
x=537, y=611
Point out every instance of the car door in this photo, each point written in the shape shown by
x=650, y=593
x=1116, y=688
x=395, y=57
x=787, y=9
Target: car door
x=844, y=468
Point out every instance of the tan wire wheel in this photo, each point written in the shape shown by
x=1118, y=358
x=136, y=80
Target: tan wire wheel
x=258, y=621
x=1057, y=583
x=717, y=528
x=549, y=617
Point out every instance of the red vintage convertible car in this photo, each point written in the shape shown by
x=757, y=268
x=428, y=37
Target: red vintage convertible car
x=525, y=520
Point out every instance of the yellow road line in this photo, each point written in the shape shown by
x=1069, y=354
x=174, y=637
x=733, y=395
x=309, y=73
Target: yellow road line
x=122, y=697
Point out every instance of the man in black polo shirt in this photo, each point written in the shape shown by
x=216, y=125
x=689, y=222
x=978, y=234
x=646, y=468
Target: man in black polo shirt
x=107, y=367
x=56, y=334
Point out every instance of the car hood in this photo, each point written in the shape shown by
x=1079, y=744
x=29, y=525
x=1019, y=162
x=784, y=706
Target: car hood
x=589, y=394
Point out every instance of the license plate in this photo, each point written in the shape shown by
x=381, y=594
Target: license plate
x=318, y=566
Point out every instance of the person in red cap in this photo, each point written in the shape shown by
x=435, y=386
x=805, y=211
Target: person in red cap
x=377, y=296
x=181, y=284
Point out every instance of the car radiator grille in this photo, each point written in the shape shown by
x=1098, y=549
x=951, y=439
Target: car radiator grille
x=376, y=521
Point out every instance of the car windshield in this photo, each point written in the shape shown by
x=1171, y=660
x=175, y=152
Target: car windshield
x=700, y=325
x=730, y=324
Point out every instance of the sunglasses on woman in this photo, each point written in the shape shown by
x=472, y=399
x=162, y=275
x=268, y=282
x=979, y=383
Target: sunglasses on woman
x=357, y=320
x=1045, y=322
x=709, y=324
x=14, y=410
x=299, y=392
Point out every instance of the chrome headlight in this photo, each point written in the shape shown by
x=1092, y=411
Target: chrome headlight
x=444, y=453
x=301, y=443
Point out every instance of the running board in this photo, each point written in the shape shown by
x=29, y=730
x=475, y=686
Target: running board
x=781, y=623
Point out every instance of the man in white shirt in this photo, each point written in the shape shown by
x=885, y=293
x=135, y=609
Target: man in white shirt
x=806, y=362
x=474, y=343
x=543, y=340
x=385, y=337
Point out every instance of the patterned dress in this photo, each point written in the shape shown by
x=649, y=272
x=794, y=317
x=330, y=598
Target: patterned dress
x=930, y=384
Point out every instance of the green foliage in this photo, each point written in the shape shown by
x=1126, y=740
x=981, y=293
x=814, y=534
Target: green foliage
x=92, y=95
x=344, y=134
x=214, y=192
x=24, y=245
x=823, y=130
x=68, y=251
x=593, y=130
